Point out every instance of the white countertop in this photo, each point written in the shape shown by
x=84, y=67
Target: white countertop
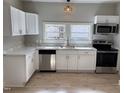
x=65, y=48
x=20, y=51
x=27, y=50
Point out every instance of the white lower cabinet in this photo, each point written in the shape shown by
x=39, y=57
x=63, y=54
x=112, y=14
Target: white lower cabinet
x=30, y=66
x=18, y=69
x=72, y=62
x=36, y=60
x=66, y=62
x=14, y=71
x=79, y=61
x=61, y=62
x=86, y=61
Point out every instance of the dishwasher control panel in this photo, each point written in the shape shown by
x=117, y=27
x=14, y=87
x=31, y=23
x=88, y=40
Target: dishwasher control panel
x=47, y=51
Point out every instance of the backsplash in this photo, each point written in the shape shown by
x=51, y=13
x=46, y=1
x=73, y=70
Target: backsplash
x=80, y=15
x=10, y=42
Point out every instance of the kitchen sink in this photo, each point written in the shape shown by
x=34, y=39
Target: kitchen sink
x=64, y=47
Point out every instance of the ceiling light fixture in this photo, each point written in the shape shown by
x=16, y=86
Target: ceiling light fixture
x=68, y=8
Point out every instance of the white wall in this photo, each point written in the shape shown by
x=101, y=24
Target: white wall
x=117, y=37
x=54, y=12
x=8, y=40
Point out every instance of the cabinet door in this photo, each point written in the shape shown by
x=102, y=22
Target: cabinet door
x=21, y=23
x=29, y=66
x=72, y=62
x=36, y=23
x=86, y=61
x=61, y=62
x=107, y=19
x=15, y=21
x=14, y=70
x=31, y=23
x=28, y=25
x=113, y=19
x=36, y=60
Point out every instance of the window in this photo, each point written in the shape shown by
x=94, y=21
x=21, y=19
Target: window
x=73, y=33
x=80, y=33
x=54, y=33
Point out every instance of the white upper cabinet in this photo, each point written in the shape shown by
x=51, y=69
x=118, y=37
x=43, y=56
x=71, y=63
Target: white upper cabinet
x=32, y=24
x=106, y=19
x=17, y=21
x=23, y=23
x=22, y=27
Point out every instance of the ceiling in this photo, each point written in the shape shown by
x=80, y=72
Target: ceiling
x=76, y=1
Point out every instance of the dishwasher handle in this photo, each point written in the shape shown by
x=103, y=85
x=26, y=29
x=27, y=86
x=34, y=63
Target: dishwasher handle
x=47, y=51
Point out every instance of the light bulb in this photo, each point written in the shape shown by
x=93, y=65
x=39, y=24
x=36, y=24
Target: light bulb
x=68, y=9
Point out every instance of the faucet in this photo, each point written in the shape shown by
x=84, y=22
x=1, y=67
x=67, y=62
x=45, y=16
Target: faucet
x=67, y=44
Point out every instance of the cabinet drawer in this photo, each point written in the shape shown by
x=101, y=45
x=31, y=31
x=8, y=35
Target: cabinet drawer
x=87, y=52
x=66, y=52
x=29, y=65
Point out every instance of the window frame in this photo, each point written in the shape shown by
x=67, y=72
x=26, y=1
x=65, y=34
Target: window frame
x=90, y=33
x=67, y=34
x=54, y=41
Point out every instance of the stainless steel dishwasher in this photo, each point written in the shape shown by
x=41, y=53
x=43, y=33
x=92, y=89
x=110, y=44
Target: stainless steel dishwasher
x=47, y=60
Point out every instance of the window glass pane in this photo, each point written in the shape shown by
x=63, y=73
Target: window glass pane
x=80, y=33
x=54, y=32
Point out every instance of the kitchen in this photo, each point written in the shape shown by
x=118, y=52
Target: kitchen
x=44, y=43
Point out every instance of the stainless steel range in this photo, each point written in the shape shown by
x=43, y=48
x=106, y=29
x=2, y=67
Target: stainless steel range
x=106, y=57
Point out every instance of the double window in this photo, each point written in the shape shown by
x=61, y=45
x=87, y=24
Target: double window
x=75, y=33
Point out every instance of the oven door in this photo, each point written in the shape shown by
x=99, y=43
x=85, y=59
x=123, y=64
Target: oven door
x=107, y=58
x=106, y=61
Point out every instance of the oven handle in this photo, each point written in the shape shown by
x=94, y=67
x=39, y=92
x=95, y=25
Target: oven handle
x=107, y=51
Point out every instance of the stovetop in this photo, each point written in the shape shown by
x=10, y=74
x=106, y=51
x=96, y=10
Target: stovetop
x=110, y=49
x=101, y=47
